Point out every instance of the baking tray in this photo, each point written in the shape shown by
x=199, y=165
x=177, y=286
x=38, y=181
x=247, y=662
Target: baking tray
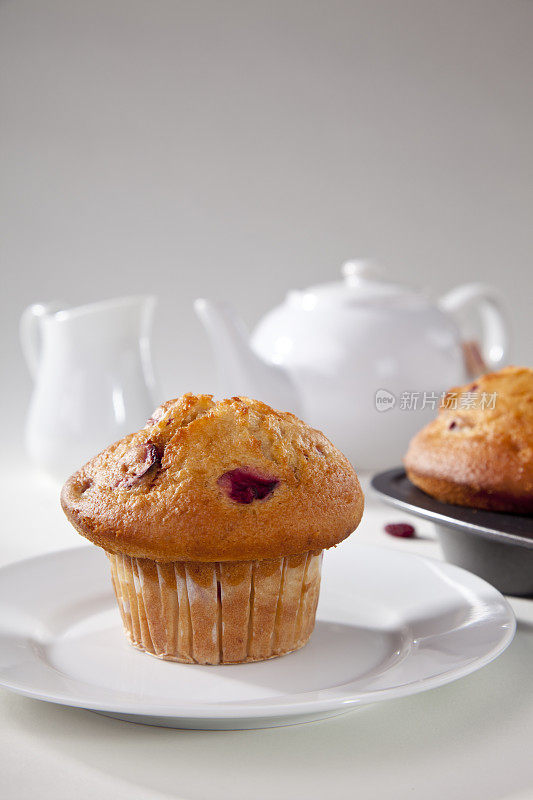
x=495, y=545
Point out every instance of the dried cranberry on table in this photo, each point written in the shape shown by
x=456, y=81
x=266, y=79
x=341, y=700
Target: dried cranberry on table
x=402, y=530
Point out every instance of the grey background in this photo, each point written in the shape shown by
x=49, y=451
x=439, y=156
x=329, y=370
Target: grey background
x=238, y=149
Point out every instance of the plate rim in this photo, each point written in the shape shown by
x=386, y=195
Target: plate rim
x=267, y=708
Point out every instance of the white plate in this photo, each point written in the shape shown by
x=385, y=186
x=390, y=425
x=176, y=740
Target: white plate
x=389, y=624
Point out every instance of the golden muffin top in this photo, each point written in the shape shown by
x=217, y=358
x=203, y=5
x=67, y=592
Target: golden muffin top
x=481, y=441
x=216, y=481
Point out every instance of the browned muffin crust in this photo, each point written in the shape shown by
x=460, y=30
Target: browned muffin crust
x=216, y=481
x=480, y=457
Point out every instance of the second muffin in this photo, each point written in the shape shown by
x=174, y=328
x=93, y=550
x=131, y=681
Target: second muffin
x=478, y=452
x=214, y=517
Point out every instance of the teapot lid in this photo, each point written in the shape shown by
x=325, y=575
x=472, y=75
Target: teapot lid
x=363, y=283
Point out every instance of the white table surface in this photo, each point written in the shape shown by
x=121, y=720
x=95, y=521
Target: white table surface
x=471, y=739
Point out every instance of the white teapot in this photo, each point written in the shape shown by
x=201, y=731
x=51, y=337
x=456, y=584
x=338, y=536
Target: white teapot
x=363, y=359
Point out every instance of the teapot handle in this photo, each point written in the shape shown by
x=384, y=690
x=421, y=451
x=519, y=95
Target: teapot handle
x=485, y=301
x=30, y=332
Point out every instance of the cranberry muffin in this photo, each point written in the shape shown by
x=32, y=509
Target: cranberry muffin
x=478, y=452
x=214, y=518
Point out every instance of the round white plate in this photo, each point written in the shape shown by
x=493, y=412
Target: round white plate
x=389, y=624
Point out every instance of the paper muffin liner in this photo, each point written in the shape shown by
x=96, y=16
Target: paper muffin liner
x=218, y=613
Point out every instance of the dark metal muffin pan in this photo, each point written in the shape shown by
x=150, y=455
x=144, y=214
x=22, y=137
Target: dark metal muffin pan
x=494, y=545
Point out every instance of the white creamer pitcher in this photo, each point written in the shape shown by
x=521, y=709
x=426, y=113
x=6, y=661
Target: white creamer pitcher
x=93, y=378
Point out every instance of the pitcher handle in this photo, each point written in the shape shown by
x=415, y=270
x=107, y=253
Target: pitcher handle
x=485, y=301
x=30, y=332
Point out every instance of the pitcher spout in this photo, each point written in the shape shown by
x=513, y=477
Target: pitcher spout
x=133, y=313
x=240, y=370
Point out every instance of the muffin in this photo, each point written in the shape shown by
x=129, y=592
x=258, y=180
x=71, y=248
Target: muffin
x=478, y=452
x=214, y=517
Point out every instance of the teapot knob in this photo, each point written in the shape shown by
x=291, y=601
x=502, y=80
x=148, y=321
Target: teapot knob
x=357, y=269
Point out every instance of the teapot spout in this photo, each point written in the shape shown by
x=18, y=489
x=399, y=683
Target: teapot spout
x=241, y=372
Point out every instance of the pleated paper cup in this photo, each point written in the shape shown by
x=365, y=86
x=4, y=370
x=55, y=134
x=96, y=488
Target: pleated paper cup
x=227, y=612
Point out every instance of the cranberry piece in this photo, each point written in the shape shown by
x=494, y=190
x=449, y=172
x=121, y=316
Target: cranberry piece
x=147, y=459
x=460, y=423
x=244, y=485
x=400, y=529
